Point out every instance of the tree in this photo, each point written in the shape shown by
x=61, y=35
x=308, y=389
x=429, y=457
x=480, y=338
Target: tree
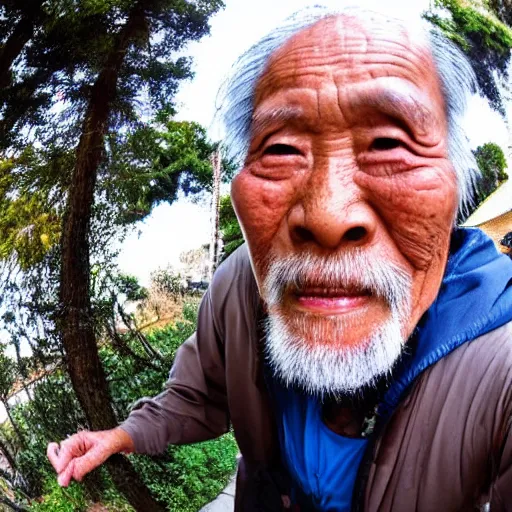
x=29, y=210
x=78, y=333
x=6, y=453
x=502, y=9
x=13, y=506
x=484, y=33
x=18, y=25
x=492, y=164
x=231, y=232
x=169, y=282
x=485, y=40
x=153, y=163
x=195, y=263
x=96, y=62
x=7, y=379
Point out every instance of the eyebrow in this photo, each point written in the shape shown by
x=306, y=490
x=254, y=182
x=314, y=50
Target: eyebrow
x=406, y=108
x=262, y=119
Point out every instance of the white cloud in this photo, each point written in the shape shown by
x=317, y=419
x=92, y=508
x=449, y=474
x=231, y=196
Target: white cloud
x=163, y=236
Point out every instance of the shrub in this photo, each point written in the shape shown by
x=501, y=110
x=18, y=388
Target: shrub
x=199, y=472
x=59, y=499
x=183, y=479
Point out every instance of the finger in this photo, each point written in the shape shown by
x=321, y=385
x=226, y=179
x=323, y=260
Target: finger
x=60, y=456
x=72, y=447
x=52, y=452
x=91, y=460
x=65, y=477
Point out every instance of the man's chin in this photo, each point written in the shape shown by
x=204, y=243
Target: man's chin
x=344, y=332
x=332, y=354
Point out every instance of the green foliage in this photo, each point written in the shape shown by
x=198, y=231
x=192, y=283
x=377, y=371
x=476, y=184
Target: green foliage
x=29, y=214
x=70, y=43
x=129, y=286
x=27, y=230
x=53, y=413
x=492, y=163
x=128, y=380
x=153, y=163
x=7, y=374
x=168, y=339
x=184, y=478
x=60, y=47
x=52, y=56
x=230, y=230
x=60, y=499
x=33, y=466
x=51, y=396
x=484, y=39
x=74, y=498
x=502, y=10
x=200, y=472
x=476, y=26
x=113, y=502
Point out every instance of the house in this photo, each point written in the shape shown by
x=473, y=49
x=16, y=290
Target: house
x=494, y=216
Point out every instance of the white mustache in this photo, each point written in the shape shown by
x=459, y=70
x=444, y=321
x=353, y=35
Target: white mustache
x=354, y=270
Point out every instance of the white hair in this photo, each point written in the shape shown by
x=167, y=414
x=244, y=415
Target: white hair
x=457, y=78
x=299, y=345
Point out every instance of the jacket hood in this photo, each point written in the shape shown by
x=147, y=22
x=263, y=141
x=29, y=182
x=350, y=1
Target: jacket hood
x=475, y=298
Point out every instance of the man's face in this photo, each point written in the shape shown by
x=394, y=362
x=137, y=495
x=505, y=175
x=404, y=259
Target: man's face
x=347, y=197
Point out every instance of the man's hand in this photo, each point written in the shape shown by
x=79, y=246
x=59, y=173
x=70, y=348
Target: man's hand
x=85, y=451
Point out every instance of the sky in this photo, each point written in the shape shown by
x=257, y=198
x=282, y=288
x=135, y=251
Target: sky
x=172, y=229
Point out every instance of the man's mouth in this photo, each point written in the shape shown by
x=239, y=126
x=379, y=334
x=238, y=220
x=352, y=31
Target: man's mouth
x=331, y=300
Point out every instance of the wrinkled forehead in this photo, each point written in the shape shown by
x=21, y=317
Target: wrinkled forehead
x=348, y=50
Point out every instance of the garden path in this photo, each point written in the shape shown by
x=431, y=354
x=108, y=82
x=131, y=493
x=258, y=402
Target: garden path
x=224, y=502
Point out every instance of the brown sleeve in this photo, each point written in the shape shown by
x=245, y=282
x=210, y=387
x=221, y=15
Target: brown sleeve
x=193, y=407
x=501, y=489
x=501, y=492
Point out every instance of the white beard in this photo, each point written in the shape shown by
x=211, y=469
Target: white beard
x=322, y=369
x=320, y=365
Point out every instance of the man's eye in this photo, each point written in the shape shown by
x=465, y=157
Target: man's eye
x=281, y=149
x=384, y=144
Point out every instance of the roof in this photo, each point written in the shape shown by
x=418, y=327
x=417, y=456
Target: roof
x=497, y=204
x=497, y=229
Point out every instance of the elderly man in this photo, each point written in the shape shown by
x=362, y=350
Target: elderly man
x=359, y=344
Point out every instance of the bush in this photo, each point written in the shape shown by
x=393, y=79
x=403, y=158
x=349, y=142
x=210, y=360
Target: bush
x=183, y=479
x=199, y=472
x=230, y=229
x=492, y=164
x=59, y=499
x=128, y=380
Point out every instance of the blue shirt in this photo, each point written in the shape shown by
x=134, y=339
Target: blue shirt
x=322, y=464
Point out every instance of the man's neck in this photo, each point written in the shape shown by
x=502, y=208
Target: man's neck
x=352, y=415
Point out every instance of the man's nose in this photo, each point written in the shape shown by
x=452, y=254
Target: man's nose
x=332, y=211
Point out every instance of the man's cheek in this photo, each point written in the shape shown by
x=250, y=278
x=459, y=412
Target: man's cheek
x=418, y=210
x=261, y=207
x=420, y=241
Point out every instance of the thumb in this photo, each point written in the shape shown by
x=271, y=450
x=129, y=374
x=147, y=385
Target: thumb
x=65, y=476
